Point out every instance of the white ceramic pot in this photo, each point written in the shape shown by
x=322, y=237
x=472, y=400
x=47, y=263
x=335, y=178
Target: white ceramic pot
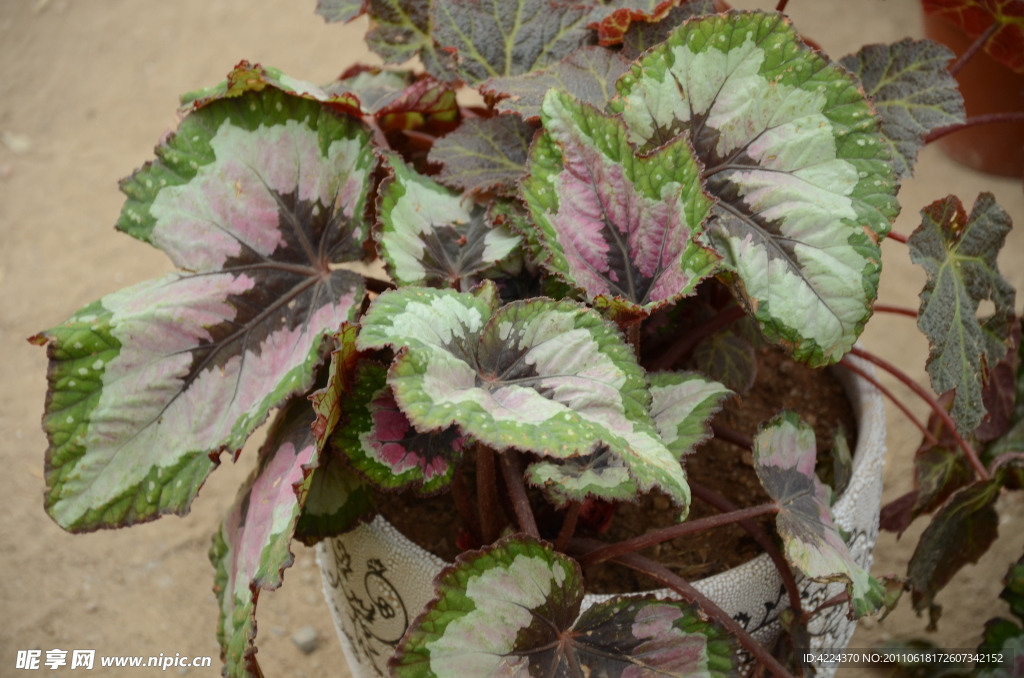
x=376, y=580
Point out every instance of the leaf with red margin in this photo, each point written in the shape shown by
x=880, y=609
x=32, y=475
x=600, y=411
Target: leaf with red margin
x=257, y=198
x=622, y=226
x=337, y=499
x=589, y=74
x=959, y=255
x=510, y=609
x=960, y=533
x=975, y=16
x=642, y=35
x=784, y=458
x=484, y=154
x=613, y=26
x=401, y=100
x=251, y=550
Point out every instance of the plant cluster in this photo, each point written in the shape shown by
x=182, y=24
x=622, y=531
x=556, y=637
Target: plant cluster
x=552, y=259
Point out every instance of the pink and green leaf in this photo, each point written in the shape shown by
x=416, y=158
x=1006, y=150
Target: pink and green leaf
x=495, y=38
x=598, y=475
x=784, y=458
x=682, y=405
x=958, y=252
x=251, y=550
x=256, y=197
x=624, y=227
x=912, y=91
x=510, y=610
x=588, y=73
x=791, y=150
x=550, y=377
x=432, y=235
x=336, y=499
x=484, y=154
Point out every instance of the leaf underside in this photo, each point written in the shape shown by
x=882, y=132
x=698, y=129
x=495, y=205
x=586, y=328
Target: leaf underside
x=912, y=91
x=958, y=252
x=791, y=150
x=539, y=375
x=621, y=226
x=784, y=458
x=510, y=610
x=255, y=196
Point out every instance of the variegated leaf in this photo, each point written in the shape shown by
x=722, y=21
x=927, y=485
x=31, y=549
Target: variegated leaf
x=337, y=499
x=784, y=457
x=494, y=38
x=432, y=235
x=621, y=226
x=682, y=405
x=544, y=376
x=484, y=154
x=256, y=196
x=976, y=16
x=509, y=610
x=791, y=149
x=588, y=74
x=251, y=550
x=912, y=91
x=959, y=255
x=601, y=475
x=381, y=443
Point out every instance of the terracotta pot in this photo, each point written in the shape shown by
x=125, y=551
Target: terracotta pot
x=987, y=87
x=376, y=580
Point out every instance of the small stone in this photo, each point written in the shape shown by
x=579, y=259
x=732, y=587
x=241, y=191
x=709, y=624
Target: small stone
x=305, y=639
x=90, y=607
x=277, y=630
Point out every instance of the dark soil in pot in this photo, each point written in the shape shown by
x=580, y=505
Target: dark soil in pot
x=723, y=467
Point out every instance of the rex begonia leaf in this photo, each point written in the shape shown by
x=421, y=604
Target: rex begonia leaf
x=600, y=475
x=912, y=91
x=961, y=531
x=784, y=458
x=974, y=17
x=484, y=154
x=339, y=10
x=959, y=255
x=256, y=197
x=728, y=357
x=1004, y=639
x=790, y=148
x=337, y=499
x=251, y=549
x=381, y=443
x=510, y=610
x=550, y=377
x=401, y=30
x=682, y=404
x=621, y=226
x=400, y=100
x=433, y=235
x=612, y=27
x=642, y=35
x=493, y=38
x=589, y=74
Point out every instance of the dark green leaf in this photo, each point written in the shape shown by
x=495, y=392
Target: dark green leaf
x=912, y=91
x=589, y=74
x=729, y=358
x=959, y=255
x=401, y=30
x=484, y=154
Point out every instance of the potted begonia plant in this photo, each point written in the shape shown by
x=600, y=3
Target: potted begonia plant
x=576, y=277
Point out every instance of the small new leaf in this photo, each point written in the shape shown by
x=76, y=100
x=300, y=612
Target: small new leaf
x=623, y=227
x=484, y=154
x=432, y=235
x=589, y=74
x=959, y=255
x=912, y=91
x=598, y=475
x=682, y=405
x=494, y=38
x=510, y=610
x=784, y=458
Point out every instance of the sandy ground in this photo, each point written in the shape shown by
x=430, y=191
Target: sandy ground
x=86, y=90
